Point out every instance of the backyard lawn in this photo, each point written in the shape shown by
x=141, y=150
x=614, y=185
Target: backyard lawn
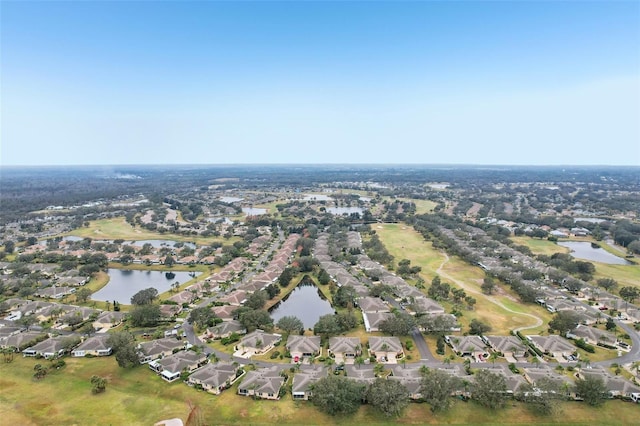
x=139, y=397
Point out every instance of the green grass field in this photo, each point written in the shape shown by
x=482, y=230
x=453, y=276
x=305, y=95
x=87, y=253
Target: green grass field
x=404, y=242
x=624, y=274
x=139, y=397
x=118, y=228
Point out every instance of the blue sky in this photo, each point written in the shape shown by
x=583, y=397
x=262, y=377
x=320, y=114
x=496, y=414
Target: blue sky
x=320, y=82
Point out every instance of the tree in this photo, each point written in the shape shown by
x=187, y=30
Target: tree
x=611, y=324
x=592, y=390
x=83, y=295
x=39, y=371
x=477, y=327
x=98, y=384
x=144, y=297
x=256, y=300
x=169, y=261
x=388, y=396
x=629, y=293
x=438, y=324
x=543, y=398
x=145, y=315
x=608, y=284
x=345, y=296
x=337, y=395
x=346, y=321
x=436, y=388
x=489, y=389
x=324, y=277
x=286, y=276
x=272, y=290
x=327, y=326
x=202, y=317
x=124, y=348
x=398, y=325
x=253, y=319
x=564, y=321
x=290, y=324
x=380, y=290
x=8, y=353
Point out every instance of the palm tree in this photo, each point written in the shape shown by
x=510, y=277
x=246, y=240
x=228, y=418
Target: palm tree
x=359, y=361
x=493, y=357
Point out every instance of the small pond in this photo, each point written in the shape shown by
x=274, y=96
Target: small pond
x=125, y=283
x=305, y=302
x=584, y=250
x=316, y=197
x=230, y=199
x=253, y=211
x=344, y=210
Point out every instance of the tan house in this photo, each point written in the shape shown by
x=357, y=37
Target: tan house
x=264, y=383
x=93, y=346
x=256, y=343
x=344, y=349
x=303, y=348
x=386, y=349
x=307, y=376
x=171, y=367
x=214, y=378
x=156, y=349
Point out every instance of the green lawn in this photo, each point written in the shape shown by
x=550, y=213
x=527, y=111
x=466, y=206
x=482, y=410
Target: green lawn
x=118, y=228
x=139, y=397
x=403, y=242
x=539, y=246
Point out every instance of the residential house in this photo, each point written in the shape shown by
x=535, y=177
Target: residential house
x=373, y=320
x=472, y=346
x=51, y=348
x=386, y=349
x=373, y=305
x=224, y=312
x=256, y=343
x=159, y=348
x=554, y=346
x=514, y=382
x=235, y=298
x=22, y=340
x=214, y=378
x=93, y=346
x=170, y=311
x=263, y=383
x=410, y=377
x=592, y=336
x=304, y=378
x=55, y=292
x=108, y=319
x=171, y=367
x=363, y=374
x=344, y=349
x=616, y=386
x=534, y=374
x=508, y=346
x=303, y=348
x=225, y=329
x=426, y=306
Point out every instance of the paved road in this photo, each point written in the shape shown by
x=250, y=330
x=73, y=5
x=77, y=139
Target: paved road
x=418, y=338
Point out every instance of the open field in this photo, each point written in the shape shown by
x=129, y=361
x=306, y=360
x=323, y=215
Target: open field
x=624, y=274
x=139, y=397
x=502, y=310
x=118, y=228
x=422, y=206
x=539, y=246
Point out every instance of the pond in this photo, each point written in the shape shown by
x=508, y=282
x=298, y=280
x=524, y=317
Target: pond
x=344, y=210
x=252, y=211
x=316, y=197
x=305, y=302
x=125, y=283
x=230, y=199
x=584, y=250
